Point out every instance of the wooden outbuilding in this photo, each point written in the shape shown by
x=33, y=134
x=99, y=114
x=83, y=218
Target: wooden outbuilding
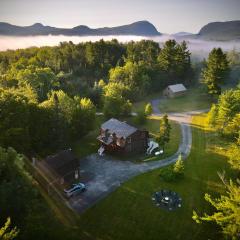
x=175, y=90
x=64, y=166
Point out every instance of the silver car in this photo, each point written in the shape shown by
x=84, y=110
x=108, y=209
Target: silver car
x=75, y=189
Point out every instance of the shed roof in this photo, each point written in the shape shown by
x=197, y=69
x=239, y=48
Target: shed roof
x=62, y=161
x=177, y=88
x=121, y=129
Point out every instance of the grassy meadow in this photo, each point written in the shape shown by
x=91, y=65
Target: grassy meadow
x=129, y=212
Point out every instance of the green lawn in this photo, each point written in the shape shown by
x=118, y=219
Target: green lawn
x=88, y=144
x=195, y=99
x=138, y=106
x=129, y=213
x=152, y=125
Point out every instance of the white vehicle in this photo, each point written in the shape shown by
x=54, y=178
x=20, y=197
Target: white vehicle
x=101, y=150
x=75, y=189
x=152, y=146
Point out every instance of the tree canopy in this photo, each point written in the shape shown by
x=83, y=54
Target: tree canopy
x=225, y=114
x=163, y=136
x=227, y=210
x=216, y=71
x=6, y=233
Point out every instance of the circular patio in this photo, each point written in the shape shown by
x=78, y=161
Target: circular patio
x=167, y=199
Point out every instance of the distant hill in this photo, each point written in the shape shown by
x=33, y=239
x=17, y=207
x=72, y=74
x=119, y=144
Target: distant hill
x=141, y=28
x=220, y=31
x=182, y=34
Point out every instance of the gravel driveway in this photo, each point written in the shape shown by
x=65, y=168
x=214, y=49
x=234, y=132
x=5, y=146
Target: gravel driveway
x=105, y=174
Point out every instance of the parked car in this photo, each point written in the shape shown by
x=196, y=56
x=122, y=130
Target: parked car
x=75, y=189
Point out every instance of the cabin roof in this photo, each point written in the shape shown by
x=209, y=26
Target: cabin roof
x=121, y=129
x=177, y=88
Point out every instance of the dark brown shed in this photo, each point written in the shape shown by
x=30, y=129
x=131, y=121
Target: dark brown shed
x=64, y=164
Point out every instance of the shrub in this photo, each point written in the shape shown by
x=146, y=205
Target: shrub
x=148, y=109
x=167, y=174
x=173, y=172
x=178, y=167
x=140, y=118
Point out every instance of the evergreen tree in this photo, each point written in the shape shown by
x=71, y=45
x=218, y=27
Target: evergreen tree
x=6, y=233
x=212, y=115
x=164, y=131
x=234, y=154
x=178, y=167
x=148, y=109
x=174, y=60
x=225, y=115
x=144, y=51
x=216, y=71
x=227, y=214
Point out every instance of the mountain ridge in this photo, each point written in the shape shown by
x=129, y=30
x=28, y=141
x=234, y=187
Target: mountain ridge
x=215, y=31
x=221, y=31
x=140, y=28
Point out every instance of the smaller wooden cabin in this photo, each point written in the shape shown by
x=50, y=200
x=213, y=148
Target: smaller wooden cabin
x=64, y=166
x=117, y=136
x=174, y=90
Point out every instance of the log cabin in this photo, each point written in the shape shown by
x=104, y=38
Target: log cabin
x=120, y=137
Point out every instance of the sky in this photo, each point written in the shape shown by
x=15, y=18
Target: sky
x=168, y=16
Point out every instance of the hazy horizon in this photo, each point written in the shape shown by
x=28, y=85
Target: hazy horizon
x=198, y=48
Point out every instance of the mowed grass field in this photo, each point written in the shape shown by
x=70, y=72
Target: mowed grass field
x=194, y=99
x=140, y=105
x=88, y=144
x=152, y=125
x=129, y=212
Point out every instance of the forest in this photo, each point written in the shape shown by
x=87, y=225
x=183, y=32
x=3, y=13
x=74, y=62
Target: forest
x=53, y=92
x=49, y=97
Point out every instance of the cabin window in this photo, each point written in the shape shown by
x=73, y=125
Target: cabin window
x=129, y=140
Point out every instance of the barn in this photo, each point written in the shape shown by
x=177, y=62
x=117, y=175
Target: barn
x=120, y=137
x=174, y=90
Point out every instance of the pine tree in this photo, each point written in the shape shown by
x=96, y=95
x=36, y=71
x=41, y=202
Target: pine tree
x=148, y=109
x=234, y=154
x=6, y=233
x=164, y=131
x=212, y=115
x=216, y=71
x=227, y=214
x=178, y=167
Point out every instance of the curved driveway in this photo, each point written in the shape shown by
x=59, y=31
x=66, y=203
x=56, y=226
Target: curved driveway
x=103, y=175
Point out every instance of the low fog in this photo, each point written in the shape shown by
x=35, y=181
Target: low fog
x=198, y=48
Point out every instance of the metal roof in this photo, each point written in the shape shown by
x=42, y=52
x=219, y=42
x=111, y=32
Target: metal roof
x=177, y=88
x=121, y=129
